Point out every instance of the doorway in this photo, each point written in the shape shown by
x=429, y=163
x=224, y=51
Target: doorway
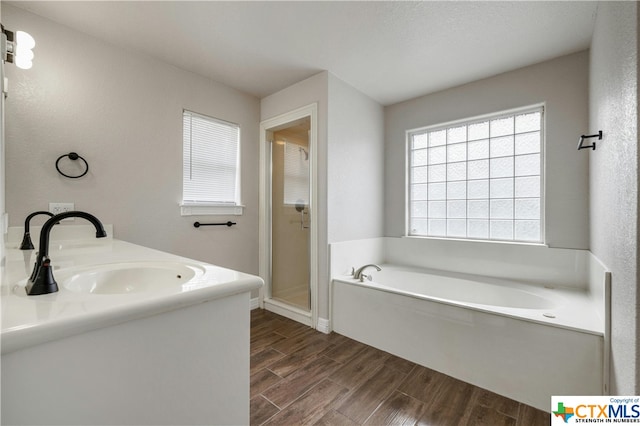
x=288, y=225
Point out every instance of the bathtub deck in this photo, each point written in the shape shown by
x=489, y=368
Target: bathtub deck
x=301, y=376
x=571, y=308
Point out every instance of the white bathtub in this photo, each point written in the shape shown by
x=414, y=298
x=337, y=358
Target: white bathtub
x=527, y=342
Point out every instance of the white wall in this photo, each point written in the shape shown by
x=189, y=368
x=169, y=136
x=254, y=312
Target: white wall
x=356, y=164
x=122, y=111
x=562, y=84
x=614, y=179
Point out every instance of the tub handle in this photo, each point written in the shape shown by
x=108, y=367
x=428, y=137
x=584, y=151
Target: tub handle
x=363, y=276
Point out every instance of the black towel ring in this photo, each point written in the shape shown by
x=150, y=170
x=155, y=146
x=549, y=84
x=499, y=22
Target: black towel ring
x=72, y=156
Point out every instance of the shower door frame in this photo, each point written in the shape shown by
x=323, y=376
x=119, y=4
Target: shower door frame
x=310, y=317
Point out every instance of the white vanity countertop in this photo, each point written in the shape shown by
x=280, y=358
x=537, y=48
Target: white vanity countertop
x=31, y=320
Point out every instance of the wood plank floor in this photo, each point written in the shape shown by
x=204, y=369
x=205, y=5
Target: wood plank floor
x=300, y=376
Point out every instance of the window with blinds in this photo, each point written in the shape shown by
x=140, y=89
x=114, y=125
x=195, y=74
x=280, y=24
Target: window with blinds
x=478, y=178
x=211, y=172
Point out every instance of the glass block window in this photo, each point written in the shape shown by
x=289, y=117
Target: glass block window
x=478, y=179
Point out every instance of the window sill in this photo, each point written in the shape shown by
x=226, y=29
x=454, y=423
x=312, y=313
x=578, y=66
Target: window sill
x=211, y=210
x=471, y=240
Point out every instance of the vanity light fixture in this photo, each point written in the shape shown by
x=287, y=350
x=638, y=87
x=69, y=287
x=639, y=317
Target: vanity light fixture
x=24, y=53
x=17, y=48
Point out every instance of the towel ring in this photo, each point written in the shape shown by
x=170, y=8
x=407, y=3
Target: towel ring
x=72, y=156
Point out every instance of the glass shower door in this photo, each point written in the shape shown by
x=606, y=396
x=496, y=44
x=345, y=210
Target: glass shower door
x=290, y=219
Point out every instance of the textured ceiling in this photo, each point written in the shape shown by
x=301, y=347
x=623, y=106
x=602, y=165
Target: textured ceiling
x=390, y=50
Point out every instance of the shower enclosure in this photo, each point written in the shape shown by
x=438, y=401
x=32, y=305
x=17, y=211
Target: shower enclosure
x=288, y=223
x=290, y=215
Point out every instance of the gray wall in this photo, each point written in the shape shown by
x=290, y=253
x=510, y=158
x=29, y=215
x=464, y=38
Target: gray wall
x=562, y=84
x=614, y=179
x=122, y=111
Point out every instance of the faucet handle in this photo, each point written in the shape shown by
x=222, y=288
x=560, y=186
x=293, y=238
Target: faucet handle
x=368, y=277
x=353, y=271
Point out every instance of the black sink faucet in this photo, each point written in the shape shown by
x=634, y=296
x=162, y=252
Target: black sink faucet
x=41, y=280
x=26, y=238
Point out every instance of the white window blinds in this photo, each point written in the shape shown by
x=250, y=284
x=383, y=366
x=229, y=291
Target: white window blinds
x=210, y=161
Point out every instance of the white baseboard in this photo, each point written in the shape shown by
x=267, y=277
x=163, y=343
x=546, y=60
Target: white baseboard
x=255, y=303
x=288, y=311
x=324, y=325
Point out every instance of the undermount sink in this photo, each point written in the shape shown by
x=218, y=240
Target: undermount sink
x=68, y=245
x=128, y=277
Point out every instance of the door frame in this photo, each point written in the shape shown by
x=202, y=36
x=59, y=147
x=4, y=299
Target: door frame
x=265, y=301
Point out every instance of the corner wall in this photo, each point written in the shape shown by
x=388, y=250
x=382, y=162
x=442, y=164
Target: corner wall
x=613, y=105
x=355, y=175
x=350, y=163
x=561, y=83
x=311, y=90
x=122, y=111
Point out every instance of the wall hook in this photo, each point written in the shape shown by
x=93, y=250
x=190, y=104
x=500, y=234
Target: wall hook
x=593, y=144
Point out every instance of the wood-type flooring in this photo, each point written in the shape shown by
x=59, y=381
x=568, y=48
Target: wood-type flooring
x=300, y=376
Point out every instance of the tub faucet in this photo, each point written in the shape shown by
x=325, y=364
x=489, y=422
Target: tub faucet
x=41, y=280
x=358, y=274
x=26, y=238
